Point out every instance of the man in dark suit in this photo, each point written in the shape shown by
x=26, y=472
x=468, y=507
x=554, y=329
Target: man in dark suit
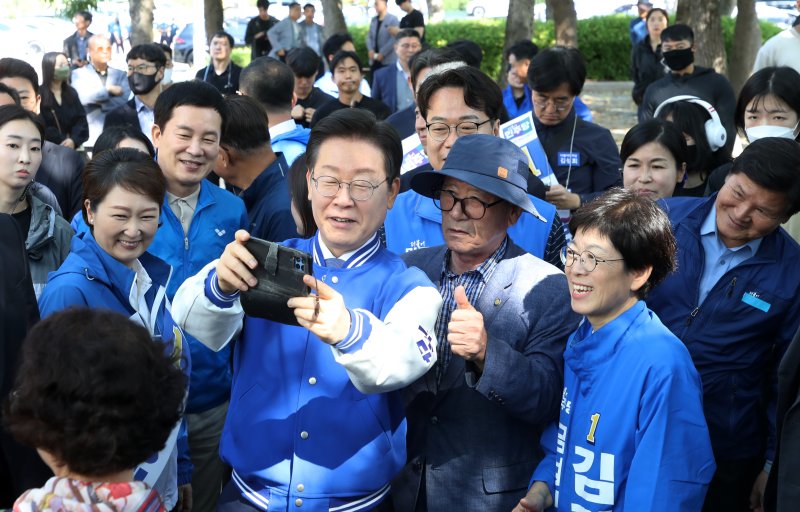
x=475, y=419
x=391, y=84
x=76, y=45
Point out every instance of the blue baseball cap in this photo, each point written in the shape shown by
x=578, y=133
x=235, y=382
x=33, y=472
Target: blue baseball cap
x=486, y=162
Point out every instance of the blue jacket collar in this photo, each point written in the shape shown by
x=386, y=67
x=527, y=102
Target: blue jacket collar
x=586, y=350
x=358, y=258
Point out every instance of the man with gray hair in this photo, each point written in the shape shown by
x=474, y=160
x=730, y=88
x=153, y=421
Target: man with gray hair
x=475, y=420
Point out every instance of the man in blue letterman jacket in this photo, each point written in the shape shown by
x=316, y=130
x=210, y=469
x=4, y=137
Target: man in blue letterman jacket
x=733, y=302
x=316, y=417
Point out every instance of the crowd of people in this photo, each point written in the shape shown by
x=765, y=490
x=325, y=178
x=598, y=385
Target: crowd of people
x=482, y=329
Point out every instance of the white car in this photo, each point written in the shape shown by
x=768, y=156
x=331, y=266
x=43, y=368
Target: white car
x=499, y=9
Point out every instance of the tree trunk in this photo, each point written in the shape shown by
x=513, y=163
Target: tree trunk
x=435, y=11
x=566, y=22
x=683, y=12
x=746, y=42
x=519, y=27
x=141, y=21
x=726, y=7
x=707, y=26
x=213, y=15
x=334, y=18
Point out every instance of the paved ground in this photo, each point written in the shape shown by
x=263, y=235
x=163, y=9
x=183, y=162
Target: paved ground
x=611, y=105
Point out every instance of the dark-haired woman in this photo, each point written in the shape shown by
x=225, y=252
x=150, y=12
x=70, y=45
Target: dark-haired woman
x=301, y=206
x=631, y=435
x=653, y=157
x=61, y=109
x=47, y=234
x=646, y=65
x=109, y=267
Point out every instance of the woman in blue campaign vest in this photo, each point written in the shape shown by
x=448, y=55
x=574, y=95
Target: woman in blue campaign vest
x=108, y=267
x=631, y=434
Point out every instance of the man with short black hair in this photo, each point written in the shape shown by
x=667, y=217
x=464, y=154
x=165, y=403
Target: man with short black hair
x=331, y=47
x=221, y=72
x=146, y=68
x=76, y=45
x=517, y=96
x=255, y=172
x=271, y=83
x=583, y=155
x=256, y=33
x=391, y=84
x=347, y=76
x=197, y=220
x=733, y=303
x=380, y=42
x=311, y=33
x=686, y=78
x=305, y=64
x=316, y=419
x=412, y=20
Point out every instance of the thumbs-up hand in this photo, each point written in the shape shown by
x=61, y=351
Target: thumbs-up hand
x=465, y=332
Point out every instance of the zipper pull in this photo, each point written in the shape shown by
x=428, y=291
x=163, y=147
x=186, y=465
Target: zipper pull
x=692, y=315
x=731, y=287
x=186, y=243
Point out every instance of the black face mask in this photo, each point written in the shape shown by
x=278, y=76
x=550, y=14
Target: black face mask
x=677, y=60
x=141, y=83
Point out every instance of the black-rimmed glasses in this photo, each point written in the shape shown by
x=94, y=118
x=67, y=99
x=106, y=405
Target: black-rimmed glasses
x=472, y=207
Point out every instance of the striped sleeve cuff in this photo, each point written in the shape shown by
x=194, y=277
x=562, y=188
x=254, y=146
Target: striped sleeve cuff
x=216, y=295
x=360, y=330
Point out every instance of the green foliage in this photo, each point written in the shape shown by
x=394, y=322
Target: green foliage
x=241, y=56
x=70, y=7
x=455, y=5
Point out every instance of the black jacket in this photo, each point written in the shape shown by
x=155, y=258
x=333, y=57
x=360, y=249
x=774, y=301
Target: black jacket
x=71, y=47
x=65, y=120
x=706, y=84
x=783, y=487
x=646, y=68
x=122, y=115
x=261, y=46
x=61, y=171
x=20, y=466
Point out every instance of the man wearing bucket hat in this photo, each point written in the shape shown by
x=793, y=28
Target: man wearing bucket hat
x=475, y=419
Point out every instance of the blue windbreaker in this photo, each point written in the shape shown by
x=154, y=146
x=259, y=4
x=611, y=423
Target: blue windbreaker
x=631, y=433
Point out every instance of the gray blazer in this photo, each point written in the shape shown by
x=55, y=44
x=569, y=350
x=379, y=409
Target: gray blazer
x=95, y=98
x=474, y=443
x=282, y=36
x=385, y=44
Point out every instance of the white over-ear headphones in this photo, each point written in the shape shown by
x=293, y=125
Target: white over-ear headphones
x=715, y=132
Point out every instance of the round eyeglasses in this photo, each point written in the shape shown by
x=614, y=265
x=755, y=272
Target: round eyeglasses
x=440, y=131
x=360, y=190
x=472, y=207
x=588, y=260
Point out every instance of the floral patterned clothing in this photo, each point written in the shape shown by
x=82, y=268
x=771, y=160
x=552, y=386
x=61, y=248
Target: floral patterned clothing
x=62, y=494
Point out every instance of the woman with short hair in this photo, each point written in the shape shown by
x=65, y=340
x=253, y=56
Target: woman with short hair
x=631, y=434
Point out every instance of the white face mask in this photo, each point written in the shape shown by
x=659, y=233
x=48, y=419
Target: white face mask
x=767, y=130
x=167, y=76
